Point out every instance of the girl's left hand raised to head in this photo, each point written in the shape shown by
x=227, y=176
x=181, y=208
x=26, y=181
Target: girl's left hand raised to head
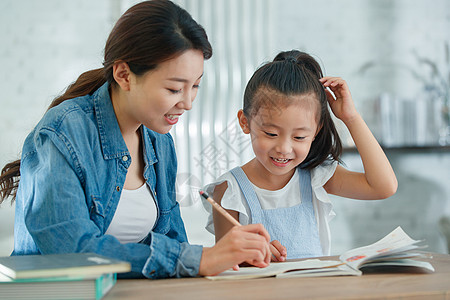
x=342, y=106
x=378, y=180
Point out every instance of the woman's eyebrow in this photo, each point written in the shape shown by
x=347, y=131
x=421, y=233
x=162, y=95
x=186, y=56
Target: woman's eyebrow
x=178, y=79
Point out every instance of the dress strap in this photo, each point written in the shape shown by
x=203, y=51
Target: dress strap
x=248, y=191
x=305, y=185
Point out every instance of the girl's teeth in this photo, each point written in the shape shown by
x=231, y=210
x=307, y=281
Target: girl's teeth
x=281, y=160
x=172, y=117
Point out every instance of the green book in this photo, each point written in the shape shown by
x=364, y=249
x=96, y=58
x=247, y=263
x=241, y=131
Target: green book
x=60, y=265
x=61, y=288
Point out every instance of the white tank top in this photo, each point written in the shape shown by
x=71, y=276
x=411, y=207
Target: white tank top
x=135, y=215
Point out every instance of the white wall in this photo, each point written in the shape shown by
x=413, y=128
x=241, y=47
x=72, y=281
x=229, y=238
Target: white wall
x=45, y=45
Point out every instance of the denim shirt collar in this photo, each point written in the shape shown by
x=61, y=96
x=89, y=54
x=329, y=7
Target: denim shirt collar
x=112, y=143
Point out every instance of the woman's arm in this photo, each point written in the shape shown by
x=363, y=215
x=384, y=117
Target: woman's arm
x=56, y=214
x=378, y=180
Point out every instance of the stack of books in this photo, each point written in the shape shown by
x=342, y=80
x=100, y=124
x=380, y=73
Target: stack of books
x=58, y=276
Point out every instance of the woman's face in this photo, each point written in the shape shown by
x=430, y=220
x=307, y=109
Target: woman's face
x=159, y=97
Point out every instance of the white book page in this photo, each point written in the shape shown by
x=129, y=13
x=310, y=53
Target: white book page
x=327, y=271
x=394, y=242
x=274, y=269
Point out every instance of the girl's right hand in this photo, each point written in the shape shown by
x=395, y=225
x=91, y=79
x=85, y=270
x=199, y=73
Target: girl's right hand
x=279, y=251
x=248, y=244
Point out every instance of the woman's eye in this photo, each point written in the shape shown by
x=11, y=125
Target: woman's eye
x=270, y=134
x=174, y=91
x=196, y=86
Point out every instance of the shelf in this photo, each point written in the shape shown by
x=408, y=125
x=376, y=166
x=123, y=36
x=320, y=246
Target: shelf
x=418, y=149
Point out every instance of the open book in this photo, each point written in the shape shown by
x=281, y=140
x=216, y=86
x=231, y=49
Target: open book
x=396, y=249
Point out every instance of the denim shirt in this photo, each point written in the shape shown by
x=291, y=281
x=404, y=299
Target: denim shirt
x=72, y=172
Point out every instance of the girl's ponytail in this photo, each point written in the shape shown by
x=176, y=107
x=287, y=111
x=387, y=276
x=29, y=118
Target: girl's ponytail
x=302, y=59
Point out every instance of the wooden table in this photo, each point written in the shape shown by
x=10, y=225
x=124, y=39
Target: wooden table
x=368, y=286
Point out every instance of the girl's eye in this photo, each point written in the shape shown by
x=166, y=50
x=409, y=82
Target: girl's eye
x=299, y=138
x=196, y=86
x=270, y=134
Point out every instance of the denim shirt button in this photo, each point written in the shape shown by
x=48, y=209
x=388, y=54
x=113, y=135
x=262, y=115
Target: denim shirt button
x=118, y=188
x=124, y=158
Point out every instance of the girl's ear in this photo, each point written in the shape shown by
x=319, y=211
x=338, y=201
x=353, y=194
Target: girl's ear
x=122, y=74
x=243, y=122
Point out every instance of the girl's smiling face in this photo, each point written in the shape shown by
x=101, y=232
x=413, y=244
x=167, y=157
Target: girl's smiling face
x=282, y=136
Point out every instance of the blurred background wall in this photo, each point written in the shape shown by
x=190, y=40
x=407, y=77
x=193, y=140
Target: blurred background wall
x=394, y=55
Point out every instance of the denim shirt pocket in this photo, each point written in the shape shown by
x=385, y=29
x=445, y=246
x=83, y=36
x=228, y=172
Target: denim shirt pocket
x=163, y=225
x=96, y=211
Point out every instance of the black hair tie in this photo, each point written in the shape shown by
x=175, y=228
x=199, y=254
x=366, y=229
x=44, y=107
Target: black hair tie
x=291, y=60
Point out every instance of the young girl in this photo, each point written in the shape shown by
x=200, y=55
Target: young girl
x=297, y=150
x=97, y=173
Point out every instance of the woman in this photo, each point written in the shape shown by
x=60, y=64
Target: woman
x=97, y=174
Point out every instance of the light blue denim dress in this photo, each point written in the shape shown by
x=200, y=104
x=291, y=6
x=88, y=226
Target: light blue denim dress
x=72, y=172
x=294, y=227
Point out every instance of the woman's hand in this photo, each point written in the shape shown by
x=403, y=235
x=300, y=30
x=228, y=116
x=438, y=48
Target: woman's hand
x=279, y=251
x=342, y=106
x=248, y=244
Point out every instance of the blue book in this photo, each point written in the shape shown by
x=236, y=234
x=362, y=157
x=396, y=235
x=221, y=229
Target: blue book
x=60, y=265
x=66, y=287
